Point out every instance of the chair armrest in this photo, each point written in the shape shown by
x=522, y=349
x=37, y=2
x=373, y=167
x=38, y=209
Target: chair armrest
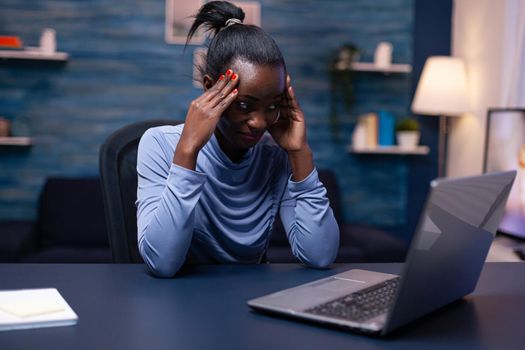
x=16, y=238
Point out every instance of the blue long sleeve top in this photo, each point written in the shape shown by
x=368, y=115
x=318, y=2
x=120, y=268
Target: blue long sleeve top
x=224, y=211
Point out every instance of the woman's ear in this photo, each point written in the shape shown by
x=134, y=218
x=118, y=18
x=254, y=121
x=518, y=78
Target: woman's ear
x=207, y=82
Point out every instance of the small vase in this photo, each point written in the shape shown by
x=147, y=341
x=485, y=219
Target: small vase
x=408, y=139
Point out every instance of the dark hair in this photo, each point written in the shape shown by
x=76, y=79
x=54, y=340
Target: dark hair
x=234, y=41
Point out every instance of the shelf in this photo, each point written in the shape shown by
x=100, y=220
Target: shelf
x=419, y=150
x=371, y=67
x=33, y=54
x=16, y=141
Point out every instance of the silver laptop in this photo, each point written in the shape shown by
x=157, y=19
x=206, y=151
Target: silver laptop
x=447, y=253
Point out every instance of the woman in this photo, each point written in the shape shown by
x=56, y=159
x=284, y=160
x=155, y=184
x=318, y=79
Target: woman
x=209, y=190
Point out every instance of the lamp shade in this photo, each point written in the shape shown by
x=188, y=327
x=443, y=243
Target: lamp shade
x=442, y=88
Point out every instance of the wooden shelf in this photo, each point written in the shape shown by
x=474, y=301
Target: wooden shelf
x=371, y=67
x=16, y=141
x=33, y=54
x=419, y=150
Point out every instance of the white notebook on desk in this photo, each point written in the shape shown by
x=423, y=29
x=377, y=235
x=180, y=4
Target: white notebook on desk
x=34, y=308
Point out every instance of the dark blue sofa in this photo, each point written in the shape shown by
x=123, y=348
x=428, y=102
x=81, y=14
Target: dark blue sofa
x=70, y=227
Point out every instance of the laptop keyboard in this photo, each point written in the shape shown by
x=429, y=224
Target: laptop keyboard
x=361, y=306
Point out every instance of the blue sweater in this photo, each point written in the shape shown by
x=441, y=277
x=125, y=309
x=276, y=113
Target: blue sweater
x=224, y=211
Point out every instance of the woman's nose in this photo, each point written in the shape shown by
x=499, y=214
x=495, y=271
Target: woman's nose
x=257, y=120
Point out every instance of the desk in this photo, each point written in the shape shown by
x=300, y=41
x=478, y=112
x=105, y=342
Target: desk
x=124, y=307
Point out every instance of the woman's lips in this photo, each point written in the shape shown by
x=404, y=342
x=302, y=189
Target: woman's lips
x=249, y=137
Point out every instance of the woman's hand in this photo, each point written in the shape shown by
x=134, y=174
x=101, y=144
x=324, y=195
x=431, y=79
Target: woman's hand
x=290, y=133
x=290, y=130
x=203, y=115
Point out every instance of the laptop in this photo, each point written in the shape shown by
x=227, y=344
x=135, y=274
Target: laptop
x=447, y=253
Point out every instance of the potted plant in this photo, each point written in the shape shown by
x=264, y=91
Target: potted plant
x=407, y=133
x=341, y=88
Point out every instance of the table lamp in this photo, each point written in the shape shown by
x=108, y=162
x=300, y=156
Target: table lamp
x=442, y=91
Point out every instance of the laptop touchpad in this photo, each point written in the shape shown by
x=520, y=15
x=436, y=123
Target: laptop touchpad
x=338, y=285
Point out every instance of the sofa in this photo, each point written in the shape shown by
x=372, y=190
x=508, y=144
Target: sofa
x=70, y=226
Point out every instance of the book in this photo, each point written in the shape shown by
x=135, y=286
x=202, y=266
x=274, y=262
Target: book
x=386, y=129
x=34, y=308
x=371, y=123
x=359, y=136
x=366, y=131
x=10, y=42
x=373, y=130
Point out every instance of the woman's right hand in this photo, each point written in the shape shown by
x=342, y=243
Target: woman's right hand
x=203, y=115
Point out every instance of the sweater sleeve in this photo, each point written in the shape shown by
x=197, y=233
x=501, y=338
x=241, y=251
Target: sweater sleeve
x=309, y=222
x=166, y=198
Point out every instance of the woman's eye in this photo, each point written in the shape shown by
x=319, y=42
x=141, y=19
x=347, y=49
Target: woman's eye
x=243, y=105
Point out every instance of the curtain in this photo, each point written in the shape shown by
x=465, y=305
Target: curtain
x=489, y=35
x=513, y=78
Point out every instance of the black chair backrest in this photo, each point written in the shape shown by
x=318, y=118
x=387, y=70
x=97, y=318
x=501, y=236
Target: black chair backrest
x=118, y=174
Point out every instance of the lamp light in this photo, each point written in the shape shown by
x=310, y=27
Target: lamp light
x=442, y=91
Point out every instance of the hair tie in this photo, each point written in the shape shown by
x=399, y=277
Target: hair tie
x=232, y=21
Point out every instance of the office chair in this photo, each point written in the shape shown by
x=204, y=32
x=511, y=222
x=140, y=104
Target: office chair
x=118, y=174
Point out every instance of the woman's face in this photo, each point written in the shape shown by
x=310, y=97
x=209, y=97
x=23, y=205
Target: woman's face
x=257, y=106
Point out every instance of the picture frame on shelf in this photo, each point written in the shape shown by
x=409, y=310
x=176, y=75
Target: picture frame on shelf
x=179, y=18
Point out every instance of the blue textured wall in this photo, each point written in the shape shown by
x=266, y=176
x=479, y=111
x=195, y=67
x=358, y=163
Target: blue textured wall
x=122, y=71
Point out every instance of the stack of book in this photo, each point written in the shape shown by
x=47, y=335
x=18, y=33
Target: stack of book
x=373, y=130
x=10, y=43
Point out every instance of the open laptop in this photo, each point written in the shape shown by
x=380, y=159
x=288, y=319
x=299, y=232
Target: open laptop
x=447, y=253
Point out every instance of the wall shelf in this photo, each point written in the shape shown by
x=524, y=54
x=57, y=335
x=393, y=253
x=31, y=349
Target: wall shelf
x=371, y=67
x=16, y=141
x=419, y=150
x=33, y=54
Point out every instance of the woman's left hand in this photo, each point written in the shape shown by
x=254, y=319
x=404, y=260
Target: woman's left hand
x=290, y=130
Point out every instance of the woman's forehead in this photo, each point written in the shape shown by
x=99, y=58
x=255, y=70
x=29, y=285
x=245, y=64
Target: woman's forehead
x=261, y=81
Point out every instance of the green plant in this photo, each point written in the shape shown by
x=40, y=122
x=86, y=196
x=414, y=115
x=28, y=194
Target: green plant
x=341, y=75
x=407, y=124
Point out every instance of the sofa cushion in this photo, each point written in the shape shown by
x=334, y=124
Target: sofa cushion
x=376, y=245
x=16, y=238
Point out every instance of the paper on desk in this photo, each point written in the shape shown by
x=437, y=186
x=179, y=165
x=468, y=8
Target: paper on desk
x=34, y=308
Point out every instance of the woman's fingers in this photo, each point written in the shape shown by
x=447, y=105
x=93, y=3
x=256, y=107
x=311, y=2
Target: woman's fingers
x=221, y=82
x=290, y=94
x=291, y=106
x=211, y=92
x=223, y=104
x=225, y=90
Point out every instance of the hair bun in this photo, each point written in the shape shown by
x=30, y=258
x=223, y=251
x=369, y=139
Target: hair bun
x=214, y=16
